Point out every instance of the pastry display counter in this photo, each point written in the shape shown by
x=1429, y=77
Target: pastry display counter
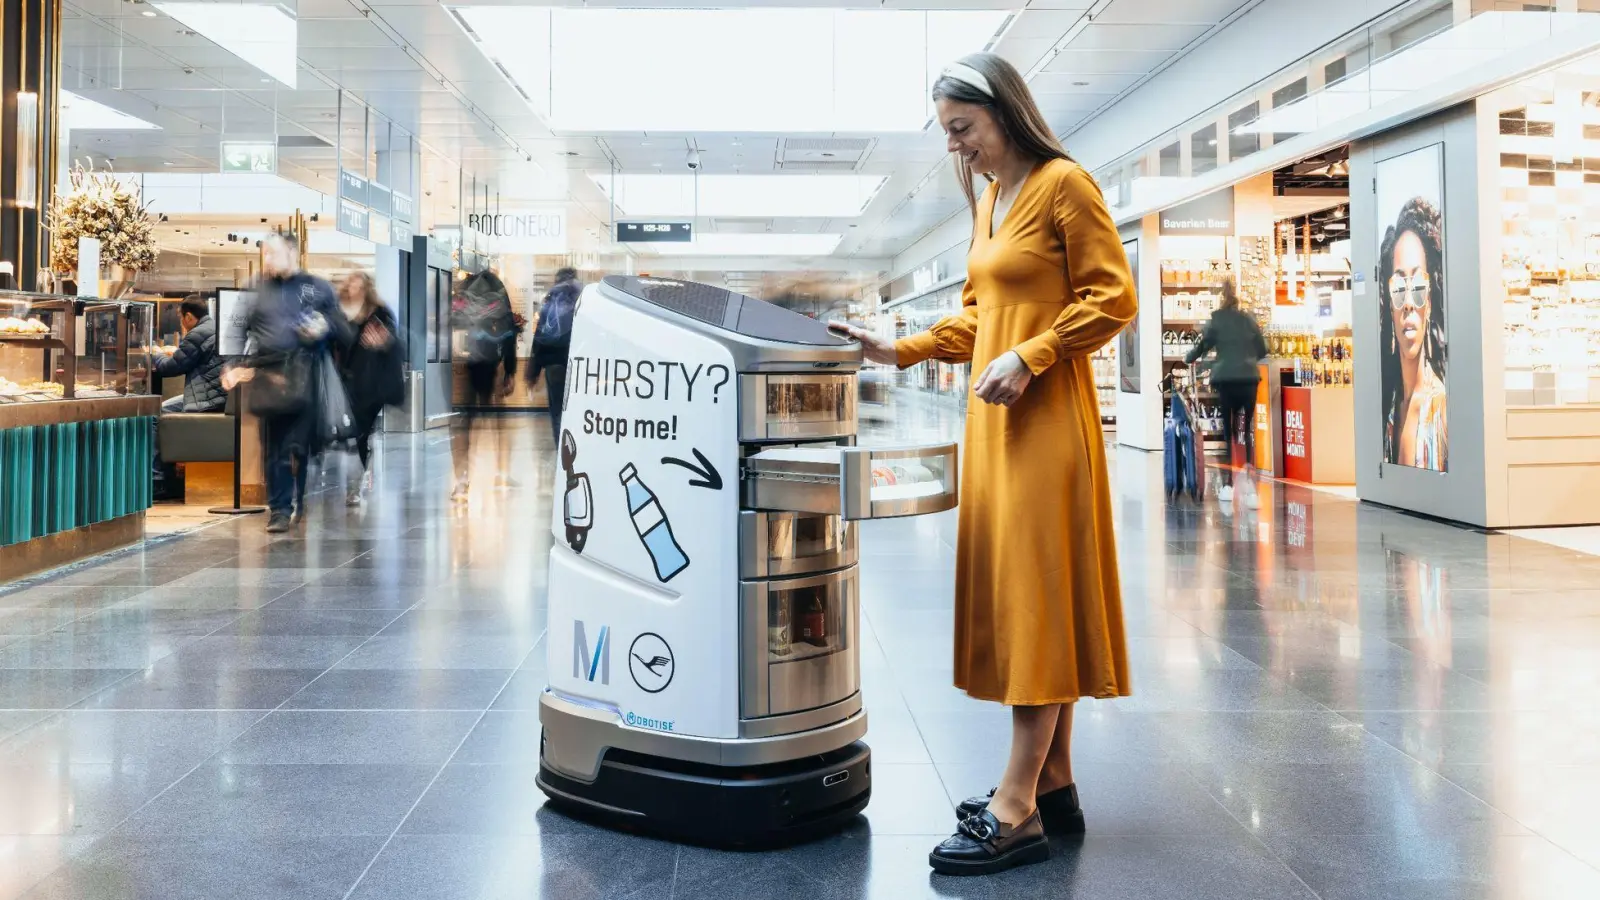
x=76, y=433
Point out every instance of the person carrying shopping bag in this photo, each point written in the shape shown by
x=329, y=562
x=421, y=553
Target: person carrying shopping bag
x=293, y=320
x=370, y=367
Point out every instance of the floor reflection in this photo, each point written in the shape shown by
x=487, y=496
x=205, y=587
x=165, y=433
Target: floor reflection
x=1330, y=700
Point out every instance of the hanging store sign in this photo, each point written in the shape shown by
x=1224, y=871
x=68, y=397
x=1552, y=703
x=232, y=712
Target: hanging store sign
x=249, y=157
x=403, y=207
x=353, y=187
x=353, y=220
x=379, y=199
x=536, y=231
x=1208, y=215
x=400, y=234
x=654, y=232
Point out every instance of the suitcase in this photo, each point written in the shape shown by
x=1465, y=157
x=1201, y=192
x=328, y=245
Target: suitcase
x=1178, y=440
x=1172, y=463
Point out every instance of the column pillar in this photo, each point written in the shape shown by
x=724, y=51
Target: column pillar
x=30, y=45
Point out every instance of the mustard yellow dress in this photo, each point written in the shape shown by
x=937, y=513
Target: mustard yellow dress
x=1038, y=603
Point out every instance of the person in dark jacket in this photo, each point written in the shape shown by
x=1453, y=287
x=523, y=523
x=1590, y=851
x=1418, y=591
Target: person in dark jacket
x=482, y=309
x=293, y=312
x=370, y=366
x=1240, y=348
x=552, y=342
x=197, y=360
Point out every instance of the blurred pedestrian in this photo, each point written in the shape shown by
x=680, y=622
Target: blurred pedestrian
x=294, y=318
x=1240, y=347
x=482, y=309
x=369, y=364
x=552, y=342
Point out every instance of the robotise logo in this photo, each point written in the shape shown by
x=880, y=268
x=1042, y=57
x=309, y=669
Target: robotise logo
x=638, y=721
x=588, y=665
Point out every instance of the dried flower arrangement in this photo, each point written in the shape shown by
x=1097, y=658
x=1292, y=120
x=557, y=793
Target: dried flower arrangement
x=98, y=205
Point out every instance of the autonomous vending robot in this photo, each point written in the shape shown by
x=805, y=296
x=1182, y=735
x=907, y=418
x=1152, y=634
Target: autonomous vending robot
x=704, y=643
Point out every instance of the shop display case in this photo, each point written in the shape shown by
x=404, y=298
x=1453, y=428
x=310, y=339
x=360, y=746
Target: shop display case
x=55, y=348
x=75, y=428
x=35, y=337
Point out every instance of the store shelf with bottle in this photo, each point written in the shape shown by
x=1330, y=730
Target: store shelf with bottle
x=1550, y=271
x=1104, y=364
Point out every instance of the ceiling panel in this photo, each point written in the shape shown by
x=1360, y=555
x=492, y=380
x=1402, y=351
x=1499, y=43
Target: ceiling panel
x=1047, y=83
x=1107, y=62
x=338, y=33
x=1208, y=12
x=1137, y=37
x=357, y=59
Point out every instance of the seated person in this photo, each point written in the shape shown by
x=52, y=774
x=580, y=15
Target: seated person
x=196, y=358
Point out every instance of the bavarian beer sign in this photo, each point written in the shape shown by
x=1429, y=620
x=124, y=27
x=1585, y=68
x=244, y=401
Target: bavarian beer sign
x=536, y=231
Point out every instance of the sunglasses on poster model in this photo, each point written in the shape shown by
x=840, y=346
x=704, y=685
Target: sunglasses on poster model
x=1413, y=291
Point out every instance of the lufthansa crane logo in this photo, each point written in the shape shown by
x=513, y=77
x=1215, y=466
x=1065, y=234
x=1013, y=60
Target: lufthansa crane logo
x=650, y=663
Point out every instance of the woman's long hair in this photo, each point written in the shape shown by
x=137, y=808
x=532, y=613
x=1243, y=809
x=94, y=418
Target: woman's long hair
x=368, y=292
x=1012, y=107
x=1230, y=294
x=1421, y=218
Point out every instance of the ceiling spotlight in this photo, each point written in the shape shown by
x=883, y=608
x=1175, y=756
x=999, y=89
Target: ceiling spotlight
x=163, y=217
x=263, y=220
x=314, y=216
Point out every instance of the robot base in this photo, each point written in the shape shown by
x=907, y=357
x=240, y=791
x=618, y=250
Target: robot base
x=754, y=807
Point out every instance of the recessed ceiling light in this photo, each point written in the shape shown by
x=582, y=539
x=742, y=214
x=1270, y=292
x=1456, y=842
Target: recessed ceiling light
x=1080, y=84
x=83, y=114
x=148, y=14
x=263, y=35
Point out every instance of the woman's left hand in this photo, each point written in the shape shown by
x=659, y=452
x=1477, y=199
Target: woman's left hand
x=374, y=336
x=1004, y=380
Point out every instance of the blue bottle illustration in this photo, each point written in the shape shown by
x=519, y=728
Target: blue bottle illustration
x=652, y=526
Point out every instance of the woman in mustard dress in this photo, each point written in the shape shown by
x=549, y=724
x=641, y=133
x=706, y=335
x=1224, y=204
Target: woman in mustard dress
x=1038, y=608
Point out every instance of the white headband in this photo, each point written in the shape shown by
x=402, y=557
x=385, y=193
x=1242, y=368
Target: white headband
x=968, y=75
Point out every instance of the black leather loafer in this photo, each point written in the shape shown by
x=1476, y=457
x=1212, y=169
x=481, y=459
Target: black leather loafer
x=1058, y=809
x=983, y=846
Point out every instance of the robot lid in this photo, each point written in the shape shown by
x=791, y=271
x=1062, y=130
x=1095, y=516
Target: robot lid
x=726, y=310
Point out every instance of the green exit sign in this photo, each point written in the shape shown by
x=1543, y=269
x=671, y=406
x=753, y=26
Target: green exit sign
x=252, y=157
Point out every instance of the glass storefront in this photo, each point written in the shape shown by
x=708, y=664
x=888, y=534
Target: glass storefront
x=1549, y=182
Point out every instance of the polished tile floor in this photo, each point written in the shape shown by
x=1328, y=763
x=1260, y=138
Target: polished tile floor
x=1331, y=701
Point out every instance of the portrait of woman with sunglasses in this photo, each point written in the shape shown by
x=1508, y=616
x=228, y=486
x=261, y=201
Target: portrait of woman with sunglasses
x=1414, y=351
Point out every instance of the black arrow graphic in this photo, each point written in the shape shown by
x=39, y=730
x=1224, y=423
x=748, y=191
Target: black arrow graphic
x=709, y=477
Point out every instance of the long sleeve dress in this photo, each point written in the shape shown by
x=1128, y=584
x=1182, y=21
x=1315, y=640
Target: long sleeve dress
x=1038, y=617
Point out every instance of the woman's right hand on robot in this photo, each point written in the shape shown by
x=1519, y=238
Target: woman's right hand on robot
x=877, y=349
